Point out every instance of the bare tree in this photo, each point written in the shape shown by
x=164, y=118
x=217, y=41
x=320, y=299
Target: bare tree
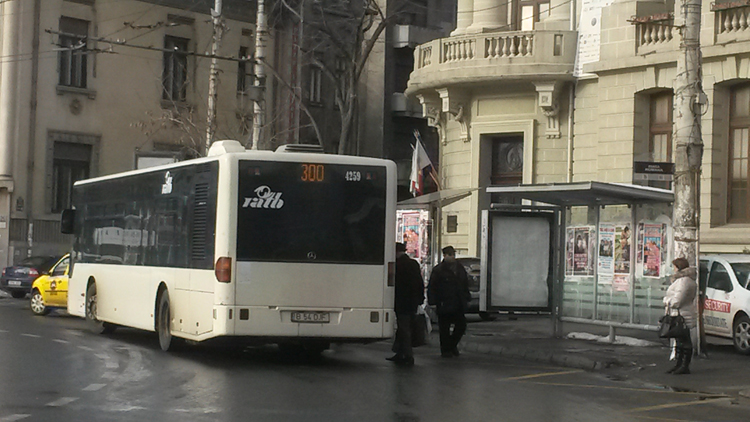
x=348, y=30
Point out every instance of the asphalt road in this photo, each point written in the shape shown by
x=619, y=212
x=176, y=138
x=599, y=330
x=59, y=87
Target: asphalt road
x=51, y=369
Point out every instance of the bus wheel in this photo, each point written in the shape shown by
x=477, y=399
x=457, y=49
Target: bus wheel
x=163, y=319
x=95, y=326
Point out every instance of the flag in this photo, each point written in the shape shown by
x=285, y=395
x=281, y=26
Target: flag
x=419, y=161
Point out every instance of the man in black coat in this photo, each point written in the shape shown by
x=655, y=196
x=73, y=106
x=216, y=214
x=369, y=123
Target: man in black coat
x=409, y=295
x=449, y=292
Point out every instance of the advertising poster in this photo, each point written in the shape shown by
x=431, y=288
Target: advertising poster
x=652, y=249
x=621, y=283
x=569, y=245
x=639, y=245
x=606, y=265
x=410, y=233
x=623, y=238
x=581, y=259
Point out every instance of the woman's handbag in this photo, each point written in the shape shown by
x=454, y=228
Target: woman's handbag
x=673, y=326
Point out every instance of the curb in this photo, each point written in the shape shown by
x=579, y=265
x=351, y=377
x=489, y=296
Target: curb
x=541, y=356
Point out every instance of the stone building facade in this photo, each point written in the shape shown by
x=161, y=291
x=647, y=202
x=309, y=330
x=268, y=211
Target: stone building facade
x=559, y=91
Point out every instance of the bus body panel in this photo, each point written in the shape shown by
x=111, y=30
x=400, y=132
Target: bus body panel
x=357, y=297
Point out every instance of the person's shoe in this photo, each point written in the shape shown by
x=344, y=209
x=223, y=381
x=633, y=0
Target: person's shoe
x=455, y=352
x=685, y=367
x=405, y=361
x=395, y=358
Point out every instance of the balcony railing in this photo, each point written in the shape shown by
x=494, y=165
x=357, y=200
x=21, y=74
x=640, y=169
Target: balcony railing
x=491, y=56
x=732, y=21
x=655, y=33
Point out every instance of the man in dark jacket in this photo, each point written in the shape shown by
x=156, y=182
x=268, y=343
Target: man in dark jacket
x=449, y=292
x=409, y=295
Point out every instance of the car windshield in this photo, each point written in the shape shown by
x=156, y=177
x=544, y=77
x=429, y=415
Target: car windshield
x=742, y=271
x=42, y=262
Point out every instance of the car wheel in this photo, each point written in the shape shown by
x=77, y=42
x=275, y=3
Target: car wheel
x=18, y=294
x=741, y=334
x=95, y=326
x=37, y=303
x=163, y=321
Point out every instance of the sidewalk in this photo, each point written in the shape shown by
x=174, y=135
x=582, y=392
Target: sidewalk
x=529, y=337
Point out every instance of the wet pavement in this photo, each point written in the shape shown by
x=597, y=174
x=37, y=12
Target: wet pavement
x=529, y=337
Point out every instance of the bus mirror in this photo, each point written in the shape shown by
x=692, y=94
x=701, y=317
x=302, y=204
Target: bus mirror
x=67, y=221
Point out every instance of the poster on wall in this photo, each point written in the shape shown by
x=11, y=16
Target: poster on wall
x=569, y=245
x=410, y=233
x=606, y=264
x=621, y=283
x=582, y=262
x=622, y=249
x=652, y=250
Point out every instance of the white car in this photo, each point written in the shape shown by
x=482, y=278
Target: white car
x=726, y=312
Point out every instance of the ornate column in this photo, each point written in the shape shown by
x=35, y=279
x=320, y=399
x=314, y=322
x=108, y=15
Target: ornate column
x=9, y=85
x=488, y=14
x=464, y=16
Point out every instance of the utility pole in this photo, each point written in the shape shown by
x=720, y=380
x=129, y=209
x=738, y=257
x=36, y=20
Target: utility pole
x=689, y=99
x=261, y=28
x=213, y=74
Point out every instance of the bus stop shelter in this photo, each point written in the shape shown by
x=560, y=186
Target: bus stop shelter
x=606, y=263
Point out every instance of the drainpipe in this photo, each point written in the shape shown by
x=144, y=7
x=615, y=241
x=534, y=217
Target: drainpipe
x=32, y=127
x=571, y=112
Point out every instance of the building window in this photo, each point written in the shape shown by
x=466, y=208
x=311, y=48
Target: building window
x=316, y=81
x=739, y=180
x=71, y=162
x=72, y=56
x=174, y=77
x=452, y=224
x=660, y=128
x=529, y=12
x=244, y=79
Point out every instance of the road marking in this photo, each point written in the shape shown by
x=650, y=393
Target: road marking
x=681, y=404
x=94, y=387
x=13, y=418
x=109, y=362
x=109, y=375
x=546, y=374
x=31, y=335
x=3, y=331
x=58, y=340
x=74, y=333
x=645, y=390
x=88, y=349
x=62, y=401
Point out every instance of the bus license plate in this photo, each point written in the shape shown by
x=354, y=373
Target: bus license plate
x=315, y=317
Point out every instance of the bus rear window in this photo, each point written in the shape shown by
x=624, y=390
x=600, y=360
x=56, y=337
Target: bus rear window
x=311, y=212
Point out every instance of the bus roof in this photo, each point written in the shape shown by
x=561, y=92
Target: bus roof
x=233, y=148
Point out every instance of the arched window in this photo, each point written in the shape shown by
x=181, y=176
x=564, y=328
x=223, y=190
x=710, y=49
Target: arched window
x=739, y=130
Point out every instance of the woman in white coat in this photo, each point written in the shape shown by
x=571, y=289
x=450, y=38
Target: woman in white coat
x=680, y=298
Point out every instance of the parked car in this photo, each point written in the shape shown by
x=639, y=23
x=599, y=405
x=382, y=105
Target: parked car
x=473, y=269
x=17, y=279
x=726, y=307
x=50, y=290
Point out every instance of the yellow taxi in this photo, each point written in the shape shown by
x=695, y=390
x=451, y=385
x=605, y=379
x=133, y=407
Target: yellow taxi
x=50, y=290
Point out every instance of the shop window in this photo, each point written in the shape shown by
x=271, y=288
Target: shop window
x=739, y=180
x=72, y=58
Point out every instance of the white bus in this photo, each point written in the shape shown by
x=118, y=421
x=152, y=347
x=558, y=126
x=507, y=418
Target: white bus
x=286, y=247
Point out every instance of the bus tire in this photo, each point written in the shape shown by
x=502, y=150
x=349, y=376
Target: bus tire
x=163, y=318
x=95, y=326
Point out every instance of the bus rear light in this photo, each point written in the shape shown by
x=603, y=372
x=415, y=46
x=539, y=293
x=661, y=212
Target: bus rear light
x=391, y=274
x=223, y=269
